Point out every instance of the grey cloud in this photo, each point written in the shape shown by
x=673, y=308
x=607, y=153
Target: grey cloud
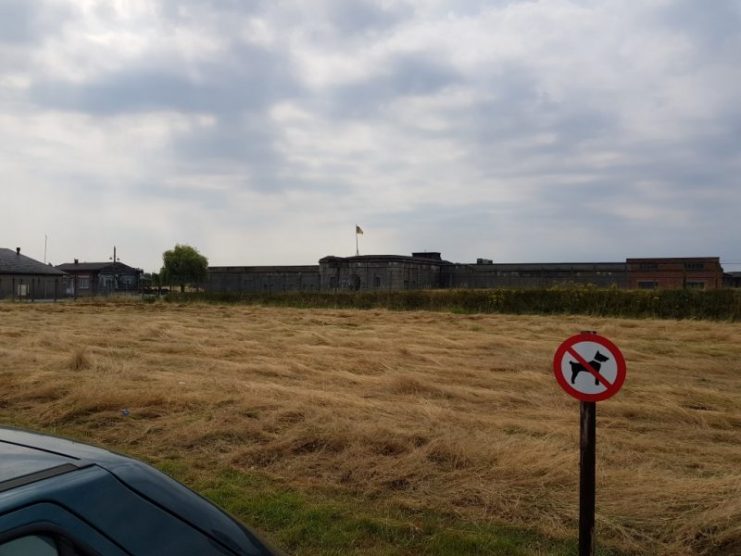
x=363, y=16
x=708, y=24
x=252, y=79
x=17, y=19
x=419, y=75
x=245, y=147
x=505, y=232
x=518, y=129
x=228, y=13
x=514, y=135
x=405, y=75
x=206, y=198
x=470, y=8
x=725, y=141
x=236, y=147
x=23, y=21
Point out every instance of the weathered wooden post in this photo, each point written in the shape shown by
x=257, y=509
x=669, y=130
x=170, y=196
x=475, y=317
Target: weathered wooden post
x=587, y=474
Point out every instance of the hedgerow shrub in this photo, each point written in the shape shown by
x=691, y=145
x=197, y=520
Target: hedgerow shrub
x=670, y=304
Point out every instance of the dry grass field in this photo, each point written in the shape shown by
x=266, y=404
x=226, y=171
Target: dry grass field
x=436, y=412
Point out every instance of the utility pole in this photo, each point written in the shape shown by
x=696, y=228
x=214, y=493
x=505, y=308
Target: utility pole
x=114, y=276
x=358, y=231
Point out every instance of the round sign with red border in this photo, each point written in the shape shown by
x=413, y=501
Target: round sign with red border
x=589, y=367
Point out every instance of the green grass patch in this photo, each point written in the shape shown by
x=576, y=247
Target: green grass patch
x=309, y=523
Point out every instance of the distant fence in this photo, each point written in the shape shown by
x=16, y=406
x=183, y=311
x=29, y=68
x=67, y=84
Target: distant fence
x=670, y=304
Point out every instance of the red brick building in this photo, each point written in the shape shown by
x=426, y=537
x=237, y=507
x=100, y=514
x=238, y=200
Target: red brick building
x=673, y=273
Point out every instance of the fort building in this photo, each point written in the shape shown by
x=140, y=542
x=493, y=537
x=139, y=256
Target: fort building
x=267, y=279
x=382, y=272
x=428, y=270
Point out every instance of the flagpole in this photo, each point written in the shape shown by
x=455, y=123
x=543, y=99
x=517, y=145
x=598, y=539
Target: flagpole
x=357, y=249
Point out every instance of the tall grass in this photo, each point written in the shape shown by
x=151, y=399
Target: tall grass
x=395, y=415
x=666, y=304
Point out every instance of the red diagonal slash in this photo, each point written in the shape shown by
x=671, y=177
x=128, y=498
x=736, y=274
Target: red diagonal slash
x=588, y=367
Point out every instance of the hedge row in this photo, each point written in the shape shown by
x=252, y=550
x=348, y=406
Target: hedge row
x=670, y=304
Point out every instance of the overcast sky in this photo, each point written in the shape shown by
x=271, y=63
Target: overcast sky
x=262, y=131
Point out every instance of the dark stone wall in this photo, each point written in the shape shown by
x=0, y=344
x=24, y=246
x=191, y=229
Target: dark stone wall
x=428, y=270
x=533, y=275
x=262, y=279
x=378, y=273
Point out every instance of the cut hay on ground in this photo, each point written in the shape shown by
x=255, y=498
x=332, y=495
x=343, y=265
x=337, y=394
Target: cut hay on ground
x=428, y=410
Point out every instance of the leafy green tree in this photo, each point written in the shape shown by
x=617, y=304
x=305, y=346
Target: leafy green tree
x=183, y=265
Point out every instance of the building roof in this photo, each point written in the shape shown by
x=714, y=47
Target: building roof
x=513, y=267
x=13, y=262
x=387, y=258
x=95, y=267
x=268, y=269
x=674, y=260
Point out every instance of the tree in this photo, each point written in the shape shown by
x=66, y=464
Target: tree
x=183, y=265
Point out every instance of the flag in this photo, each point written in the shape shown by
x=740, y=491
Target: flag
x=358, y=230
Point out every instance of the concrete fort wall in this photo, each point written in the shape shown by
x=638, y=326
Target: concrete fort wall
x=533, y=275
x=388, y=272
x=266, y=279
x=428, y=270
x=392, y=272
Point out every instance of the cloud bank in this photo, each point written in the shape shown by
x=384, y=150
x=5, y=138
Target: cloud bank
x=262, y=132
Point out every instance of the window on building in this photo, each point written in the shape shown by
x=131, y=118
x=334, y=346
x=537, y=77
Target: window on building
x=83, y=281
x=377, y=281
x=694, y=266
x=648, y=284
x=648, y=266
x=333, y=281
x=696, y=285
x=356, y=282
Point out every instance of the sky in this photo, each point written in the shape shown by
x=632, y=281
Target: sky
x=263, y=131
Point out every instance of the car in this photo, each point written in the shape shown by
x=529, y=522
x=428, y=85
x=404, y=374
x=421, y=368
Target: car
x=64, y=498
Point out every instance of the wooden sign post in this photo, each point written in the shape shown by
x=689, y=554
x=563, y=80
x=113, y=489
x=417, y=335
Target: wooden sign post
x=590, y=368
x=587, y=476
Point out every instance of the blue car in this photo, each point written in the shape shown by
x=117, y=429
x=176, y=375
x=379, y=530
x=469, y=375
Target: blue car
x=64, y=498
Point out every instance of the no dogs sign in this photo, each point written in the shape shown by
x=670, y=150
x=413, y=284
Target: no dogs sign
x=589, y=367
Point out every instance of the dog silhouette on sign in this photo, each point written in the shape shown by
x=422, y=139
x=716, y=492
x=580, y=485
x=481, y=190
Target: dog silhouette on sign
x=595, y=363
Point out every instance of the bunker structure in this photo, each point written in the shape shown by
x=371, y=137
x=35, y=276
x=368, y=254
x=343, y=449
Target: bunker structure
x=428, y=270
